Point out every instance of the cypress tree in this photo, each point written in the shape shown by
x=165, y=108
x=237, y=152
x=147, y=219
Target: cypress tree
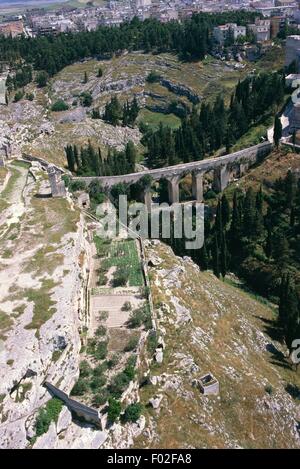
x=277, y=130
x=216, y=257
x=225, y=210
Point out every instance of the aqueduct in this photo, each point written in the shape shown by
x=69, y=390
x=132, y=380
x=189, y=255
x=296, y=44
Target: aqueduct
x=222, y=167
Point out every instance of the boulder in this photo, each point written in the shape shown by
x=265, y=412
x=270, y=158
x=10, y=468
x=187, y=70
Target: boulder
x=64, y=420
x=159, y=356
x=155, y=401
x=48, y=440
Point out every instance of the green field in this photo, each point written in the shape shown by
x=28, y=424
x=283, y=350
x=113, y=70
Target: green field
x=153, y=119
x=122, y=254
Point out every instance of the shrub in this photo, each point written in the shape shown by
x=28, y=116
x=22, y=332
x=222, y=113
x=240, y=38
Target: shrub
x=18, y=96
x=67, y=180
x=269, y=389
x=30, y=96
x=120, y=277
x=118, y=384
x=114, y=360
x=126, y=306
x=97, y=382
x=152, y=342
x=103, y=316
x=153, y=77
x=132, y=344
x=80, y=388
x=101, y=331
x=129, y=371
x=100, y=398
x=91, y=346
x=85, y=369
x=114, y=410
x=100, y=369
x=102, y=279
x=42, y=79
x=86, y=99
x=132, y=412
x=101, y=350
x=77, y=186
x=59, y=106
x=210, y=195
x=48, y=414
x=140, y=316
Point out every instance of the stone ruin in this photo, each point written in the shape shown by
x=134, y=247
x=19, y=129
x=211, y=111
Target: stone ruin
x=5, y=150
x=207, y=384
x=58, y=188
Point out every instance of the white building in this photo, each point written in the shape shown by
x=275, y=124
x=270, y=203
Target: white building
x=261, y=29
x=220, y=33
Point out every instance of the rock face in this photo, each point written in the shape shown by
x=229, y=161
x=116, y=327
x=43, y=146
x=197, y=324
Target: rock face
x=5, y=143
x=30, y=354
x=180, y=90
x=210, y=327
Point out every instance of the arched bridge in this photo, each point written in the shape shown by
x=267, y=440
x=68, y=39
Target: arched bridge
x=222, y=166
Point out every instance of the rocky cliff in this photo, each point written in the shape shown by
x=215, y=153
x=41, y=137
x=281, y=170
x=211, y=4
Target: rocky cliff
x=211, y=326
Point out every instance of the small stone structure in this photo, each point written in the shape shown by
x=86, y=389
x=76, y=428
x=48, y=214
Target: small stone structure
x=208, y=384
x=58, y=188
x=5, y=150
x=83, y=199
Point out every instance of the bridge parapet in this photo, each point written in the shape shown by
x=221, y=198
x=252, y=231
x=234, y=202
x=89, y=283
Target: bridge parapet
x=220, y=165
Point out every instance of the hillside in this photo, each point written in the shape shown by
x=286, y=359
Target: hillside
x=211, y=326
x=36, y=130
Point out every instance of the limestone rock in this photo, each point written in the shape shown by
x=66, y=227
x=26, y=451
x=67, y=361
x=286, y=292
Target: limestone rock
x=159, y=356
x=156, y=400
x=48, y=440
x=64, y=420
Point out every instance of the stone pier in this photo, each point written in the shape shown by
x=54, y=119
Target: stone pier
x=197, y=186
x=221, y=178
x=173, y=189
x=147, y=198
x=58, y=188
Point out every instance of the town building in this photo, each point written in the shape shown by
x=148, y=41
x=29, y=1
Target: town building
x=261, y=30
x=221, y=33
x=14, y=28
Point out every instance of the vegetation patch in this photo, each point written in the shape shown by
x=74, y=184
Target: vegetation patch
x=43, y=308
x=48, y=414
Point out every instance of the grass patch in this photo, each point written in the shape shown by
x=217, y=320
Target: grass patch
x=5, y=323
x=43, y=308
x=15, y=175
x=45, y=260
x=153, y=119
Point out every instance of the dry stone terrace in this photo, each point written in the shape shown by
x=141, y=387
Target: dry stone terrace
x=222, y=167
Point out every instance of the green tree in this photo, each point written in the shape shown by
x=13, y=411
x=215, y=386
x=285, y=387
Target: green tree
x=114, y=410
x=277, y=130
x=132, y=412
x=42, y=79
